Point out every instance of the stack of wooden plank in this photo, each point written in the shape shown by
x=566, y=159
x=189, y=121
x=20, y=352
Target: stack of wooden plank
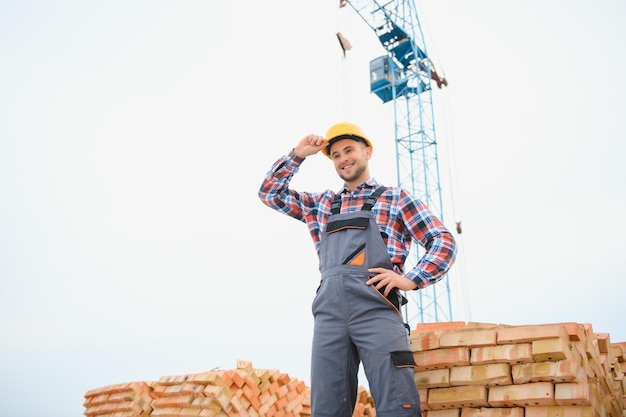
x=489, y=370
x=131, y=399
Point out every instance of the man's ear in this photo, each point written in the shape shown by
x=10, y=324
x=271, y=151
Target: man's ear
x=368, y=152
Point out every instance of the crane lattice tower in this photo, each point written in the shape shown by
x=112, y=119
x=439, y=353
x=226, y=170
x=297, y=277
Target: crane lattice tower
x=404, y=76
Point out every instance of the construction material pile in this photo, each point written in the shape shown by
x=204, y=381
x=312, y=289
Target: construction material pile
x=127, y=399
x=463, y=370
x=244, y=391
x=550, y=370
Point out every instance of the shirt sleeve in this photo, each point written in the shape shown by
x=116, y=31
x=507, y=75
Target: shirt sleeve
x=436, y=240
x=275, y=192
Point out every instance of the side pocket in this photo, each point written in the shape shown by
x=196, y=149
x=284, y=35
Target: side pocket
x=403, y=359
x=316, y=297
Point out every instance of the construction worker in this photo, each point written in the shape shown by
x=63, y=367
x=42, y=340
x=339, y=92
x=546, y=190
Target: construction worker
x=362, y=234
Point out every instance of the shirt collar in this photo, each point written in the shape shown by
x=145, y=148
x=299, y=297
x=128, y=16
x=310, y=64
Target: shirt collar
x=371, y=183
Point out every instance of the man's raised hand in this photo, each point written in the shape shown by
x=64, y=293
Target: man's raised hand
x=309, y=145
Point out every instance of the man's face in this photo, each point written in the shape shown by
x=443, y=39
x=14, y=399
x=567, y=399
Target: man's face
x=351, y=159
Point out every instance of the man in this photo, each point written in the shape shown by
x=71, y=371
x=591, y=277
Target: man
x=362, y=235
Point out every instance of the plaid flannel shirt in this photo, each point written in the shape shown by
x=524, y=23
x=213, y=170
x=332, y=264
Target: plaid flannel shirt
x=401, y=217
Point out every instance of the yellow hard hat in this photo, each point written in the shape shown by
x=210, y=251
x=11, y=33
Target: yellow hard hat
x=344, y=130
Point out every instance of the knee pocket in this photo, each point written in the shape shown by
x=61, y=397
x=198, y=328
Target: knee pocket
x=403, y=359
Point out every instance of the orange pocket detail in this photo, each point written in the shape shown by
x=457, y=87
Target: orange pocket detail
x=358, y=260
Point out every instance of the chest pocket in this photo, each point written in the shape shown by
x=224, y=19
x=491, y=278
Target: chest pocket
x=354, y=225
x=359, y=223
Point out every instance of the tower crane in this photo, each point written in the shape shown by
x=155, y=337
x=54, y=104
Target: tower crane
x=404, y=76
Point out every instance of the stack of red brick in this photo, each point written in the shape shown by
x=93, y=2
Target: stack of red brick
x=463, y=370
x=129, y=400
x=243, y=392
x=549, y=370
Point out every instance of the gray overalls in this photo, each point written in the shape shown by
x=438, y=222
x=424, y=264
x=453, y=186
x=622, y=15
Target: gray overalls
x=355, y=323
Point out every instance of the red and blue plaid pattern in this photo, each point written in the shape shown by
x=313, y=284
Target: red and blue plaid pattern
x=401, y=218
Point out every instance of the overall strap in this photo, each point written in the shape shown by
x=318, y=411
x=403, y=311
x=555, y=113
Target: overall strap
x=336, y=205
x=369, y=202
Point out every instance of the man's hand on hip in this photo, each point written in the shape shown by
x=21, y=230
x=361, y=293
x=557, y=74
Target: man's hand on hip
x=391, y=279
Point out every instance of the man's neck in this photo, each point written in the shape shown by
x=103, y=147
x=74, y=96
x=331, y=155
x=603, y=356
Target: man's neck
x=353, y=185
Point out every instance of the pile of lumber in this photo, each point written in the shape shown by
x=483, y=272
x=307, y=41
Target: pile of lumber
x=244, y=392
x=487, y=370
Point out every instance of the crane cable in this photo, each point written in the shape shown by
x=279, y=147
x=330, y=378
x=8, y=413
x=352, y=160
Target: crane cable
x=345, y=46
x=453, y=180
x=445, y=114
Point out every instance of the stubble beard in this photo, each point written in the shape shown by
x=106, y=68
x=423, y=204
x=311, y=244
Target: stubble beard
x=355, y=176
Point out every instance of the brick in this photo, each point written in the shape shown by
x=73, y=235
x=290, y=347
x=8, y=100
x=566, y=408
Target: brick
x=551, y=349
x=172, y=401
x=192, y=388
x=536, y=393
x=492, y=412
x=529, y=333
x=549, y=371
x=281, y=403
x=203, y=402
x=238, y=379
x=488, y=375
x=244, y=365
x=182, y=378
x=165, y=412
x=452, y=412
x=436, y=378
x=440, y=326
x=423, y=392
x=575, y=331
x=511, y=354
x=236, y=404
x=121, y=396
x=273, y=387
x=97, y=399
x=578, y=350
x=596, y=366
x=559, y=411
x=441, y=358
x=572, y=393
x=424, y=341
x=189, y=412
x=604, y=342
x=468, y=337
x=457, y=397
x=267, y=404
x=171, y=390
x=209, y=378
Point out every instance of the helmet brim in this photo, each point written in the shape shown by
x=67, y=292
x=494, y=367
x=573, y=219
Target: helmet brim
x=331, y=142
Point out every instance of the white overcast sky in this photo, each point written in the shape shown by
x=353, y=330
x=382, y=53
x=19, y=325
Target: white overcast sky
x=134, y=136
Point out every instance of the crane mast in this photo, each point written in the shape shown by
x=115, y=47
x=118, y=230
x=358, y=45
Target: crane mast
x=404, y=76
